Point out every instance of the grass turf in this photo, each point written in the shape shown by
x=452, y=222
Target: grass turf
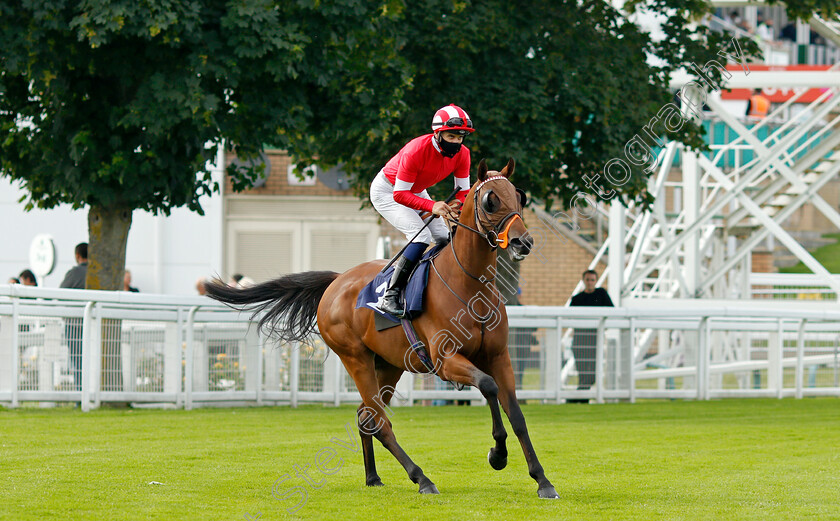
x=732, y=459
x=828, y=256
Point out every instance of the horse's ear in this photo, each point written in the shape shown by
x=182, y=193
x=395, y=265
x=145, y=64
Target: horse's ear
x=507, y=171
x=482, y=170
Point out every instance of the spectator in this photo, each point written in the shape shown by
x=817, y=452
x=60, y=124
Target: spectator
x=765, y=29
x=585, y=340
x=27, y=278
x=127, y=283
x=234, y=279
x=788, y=32
x=758, y=106
x=13, y=280
x=75, y=277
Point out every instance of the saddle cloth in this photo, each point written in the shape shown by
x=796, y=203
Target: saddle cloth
x=412, y=297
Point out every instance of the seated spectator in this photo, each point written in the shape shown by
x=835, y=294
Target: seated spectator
x=27, y=278
x=13, y=280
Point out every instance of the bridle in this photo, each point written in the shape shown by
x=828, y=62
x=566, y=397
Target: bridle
x=495, y=236
x=498, y=234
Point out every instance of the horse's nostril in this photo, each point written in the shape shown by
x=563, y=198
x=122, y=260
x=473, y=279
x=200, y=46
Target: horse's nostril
x=521, y=245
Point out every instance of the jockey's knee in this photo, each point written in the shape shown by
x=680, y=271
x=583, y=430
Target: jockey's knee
x=425, y=236
x=441, y=238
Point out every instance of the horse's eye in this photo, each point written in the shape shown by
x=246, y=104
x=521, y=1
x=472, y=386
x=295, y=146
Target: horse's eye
x=490, y=202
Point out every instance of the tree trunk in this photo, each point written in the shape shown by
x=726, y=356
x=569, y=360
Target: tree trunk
x=108, y=236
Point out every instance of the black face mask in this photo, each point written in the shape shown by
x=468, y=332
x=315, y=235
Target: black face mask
x=448, y=149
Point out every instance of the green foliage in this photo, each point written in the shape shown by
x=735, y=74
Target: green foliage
x=118, y=103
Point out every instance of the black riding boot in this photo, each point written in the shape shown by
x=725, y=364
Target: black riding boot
x=391, y=300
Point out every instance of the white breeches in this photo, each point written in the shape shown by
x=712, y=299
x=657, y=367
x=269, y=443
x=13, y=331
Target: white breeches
x=405, y=219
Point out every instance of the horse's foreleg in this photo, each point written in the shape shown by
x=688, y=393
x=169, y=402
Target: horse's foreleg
x=502, y=372
x=458, y=369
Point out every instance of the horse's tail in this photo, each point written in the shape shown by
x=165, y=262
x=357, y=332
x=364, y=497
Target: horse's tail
x=290, y=303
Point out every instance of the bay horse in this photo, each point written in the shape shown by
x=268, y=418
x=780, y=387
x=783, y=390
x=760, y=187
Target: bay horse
x=464, y=325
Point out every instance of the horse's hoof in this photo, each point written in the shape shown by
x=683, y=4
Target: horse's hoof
x=496, y=461
x=430, y=488
x=375, y=483
x=548, y=493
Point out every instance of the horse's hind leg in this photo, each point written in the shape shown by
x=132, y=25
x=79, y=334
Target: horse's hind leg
x=374, y=422
x=371, y=477
x=387, y=377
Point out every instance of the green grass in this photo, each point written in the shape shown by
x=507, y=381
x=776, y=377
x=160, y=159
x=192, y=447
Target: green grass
x=721, y=460
x=828, y=255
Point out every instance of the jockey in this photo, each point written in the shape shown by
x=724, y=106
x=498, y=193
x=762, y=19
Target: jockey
x=399, y=191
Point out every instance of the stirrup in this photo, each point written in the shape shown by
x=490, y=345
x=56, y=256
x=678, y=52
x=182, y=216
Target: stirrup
x=396, y=310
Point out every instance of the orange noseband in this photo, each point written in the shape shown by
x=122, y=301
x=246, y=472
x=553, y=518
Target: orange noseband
x=503, y=237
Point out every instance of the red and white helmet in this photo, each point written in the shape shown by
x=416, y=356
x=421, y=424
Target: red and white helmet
x=452, y=118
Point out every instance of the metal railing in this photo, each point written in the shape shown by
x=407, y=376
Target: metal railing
x=94, y=347
x=791, y=286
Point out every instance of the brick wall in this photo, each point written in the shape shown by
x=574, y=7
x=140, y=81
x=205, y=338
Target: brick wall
x=277, y=182
x=762, y=262
x=549, y=275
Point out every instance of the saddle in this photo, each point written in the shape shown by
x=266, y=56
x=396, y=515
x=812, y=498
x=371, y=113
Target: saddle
x=412, y=298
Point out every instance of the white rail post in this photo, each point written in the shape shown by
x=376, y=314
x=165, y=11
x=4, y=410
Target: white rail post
x=599, y=361
x=775, y=369
x=800, y=352
x=701, y=358
x=188, y=376
x=15, y=352
x=558, y=362
x=632, y=351
x=294, y=377
x=260, y=347
x=338, y=376
x=707, y=349
x=86, y=356
x=181, y=357
x=96, y=353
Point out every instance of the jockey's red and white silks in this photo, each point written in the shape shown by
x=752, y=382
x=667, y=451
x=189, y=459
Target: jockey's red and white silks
x=419, y=165
x=406, y=220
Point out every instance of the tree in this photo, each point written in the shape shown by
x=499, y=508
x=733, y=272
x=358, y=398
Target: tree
x=116, y=105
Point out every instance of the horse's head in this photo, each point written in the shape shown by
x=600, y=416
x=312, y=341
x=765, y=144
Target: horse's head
x=497, y=208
